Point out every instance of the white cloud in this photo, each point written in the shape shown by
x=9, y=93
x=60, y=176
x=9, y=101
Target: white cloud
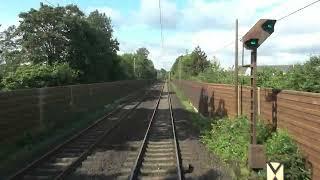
x=211, y=26
x=149, y=13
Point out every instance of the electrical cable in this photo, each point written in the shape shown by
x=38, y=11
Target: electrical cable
x=160, y=19
x=49, y=3
x=223, y=47
x=298, y=10
x=308, y=5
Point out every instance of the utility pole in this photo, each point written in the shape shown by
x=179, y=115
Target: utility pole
x=180, y=71
x=236, y=75
x=134, y=66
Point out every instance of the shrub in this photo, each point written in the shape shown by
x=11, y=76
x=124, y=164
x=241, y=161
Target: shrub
x=281, y=148
x=229, y=140
x=37, y=76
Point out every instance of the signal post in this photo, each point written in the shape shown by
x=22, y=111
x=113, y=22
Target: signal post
x=252, y=40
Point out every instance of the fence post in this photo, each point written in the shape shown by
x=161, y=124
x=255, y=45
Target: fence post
x=40, y=106
x=238, y=100
x=71, y=97
x=259, y=102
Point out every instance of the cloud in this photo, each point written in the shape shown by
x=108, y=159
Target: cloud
x=149, y=13
x=210, y=24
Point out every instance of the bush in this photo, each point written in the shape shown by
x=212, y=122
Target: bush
x=229, y=139
x=305, y=77
x=37, y=76
x=281, y=148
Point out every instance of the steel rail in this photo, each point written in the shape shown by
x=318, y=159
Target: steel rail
x=138, y=163
x=21, y=173
x=176, y=142
x=135, y=171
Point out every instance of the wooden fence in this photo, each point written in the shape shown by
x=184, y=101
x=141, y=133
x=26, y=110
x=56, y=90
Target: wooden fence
x=34, y=110
x=298, y=112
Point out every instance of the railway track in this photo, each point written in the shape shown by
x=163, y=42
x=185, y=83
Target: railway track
x=62, y=160
x=159, y=156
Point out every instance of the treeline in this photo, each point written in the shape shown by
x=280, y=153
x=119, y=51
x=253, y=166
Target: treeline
x=196, y=66
x=61, y=45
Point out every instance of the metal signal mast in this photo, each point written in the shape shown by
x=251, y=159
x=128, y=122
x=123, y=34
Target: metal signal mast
x=252, y=40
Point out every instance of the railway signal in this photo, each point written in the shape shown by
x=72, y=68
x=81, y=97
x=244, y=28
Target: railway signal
x=258, y=33
x=251, y=41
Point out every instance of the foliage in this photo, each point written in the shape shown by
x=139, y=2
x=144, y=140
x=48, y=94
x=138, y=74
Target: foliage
x=305, y=77
x=144, y=68
x=301, y=77
x=29, y=76
x=270, y=77
x=199, y=61
x=93, y=48
x=64, y=35
x=161, y=74
x=44, y=32
x=229, y=139
x=127, y=65
x=281, y=148
x=190, y=64
x=215, y=74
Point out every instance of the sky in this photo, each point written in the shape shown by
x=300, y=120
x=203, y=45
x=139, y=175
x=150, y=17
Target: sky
x=189, y=23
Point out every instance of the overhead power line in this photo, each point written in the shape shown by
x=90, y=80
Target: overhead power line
x=227, y=45
x=224, y=46
x=49, y=3
x=308, y=5
x=298, y=10
x=160, y=19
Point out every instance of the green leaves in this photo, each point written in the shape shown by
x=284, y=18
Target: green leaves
x=190, y=64
x=63, y=35
x=144, y=68
x=281, y=148
x=36, y=76
x=305, y=77
x=229, y=139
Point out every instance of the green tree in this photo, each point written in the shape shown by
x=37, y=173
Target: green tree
x=161, y=74
x=45, y=32
x=199, y=61
x=305, y=77
x=127, y=63
x=11, y=56
x=144, y=67
x=93, y=48
x=50, y=37
x=270, y=77
x=190, y=64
